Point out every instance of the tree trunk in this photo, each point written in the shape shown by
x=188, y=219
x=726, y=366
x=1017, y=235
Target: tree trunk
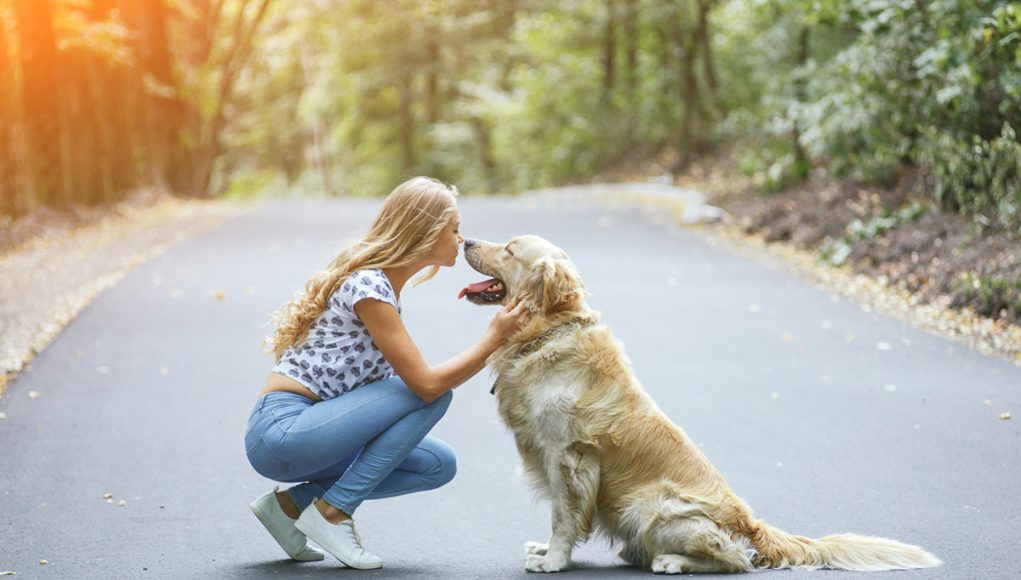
x=320, y=150
x=163, y=110
x=684, y=44
x=80, y=129
x=210, y=145
x=800, y=156
x=114, y=135
x=407, y=121
x=609, y=49
x=433, y=75
x=704, y=38
x=40, y=99
x=631, y=48
x=15, y=196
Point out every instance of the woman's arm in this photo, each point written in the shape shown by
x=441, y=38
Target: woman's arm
x=388, y=332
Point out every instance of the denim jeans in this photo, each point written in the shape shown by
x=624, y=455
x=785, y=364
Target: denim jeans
x=369, y=443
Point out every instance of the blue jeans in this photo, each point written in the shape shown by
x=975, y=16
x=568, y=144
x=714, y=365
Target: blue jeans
x=369, y=443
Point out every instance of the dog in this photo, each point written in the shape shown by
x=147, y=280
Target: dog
x=594, y=442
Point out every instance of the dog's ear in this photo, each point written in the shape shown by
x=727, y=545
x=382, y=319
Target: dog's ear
x=554, y=285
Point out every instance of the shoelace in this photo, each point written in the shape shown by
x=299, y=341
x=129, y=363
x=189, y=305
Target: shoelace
x=358, y=539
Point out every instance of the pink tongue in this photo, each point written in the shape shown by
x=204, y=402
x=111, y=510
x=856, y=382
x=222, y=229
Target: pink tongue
x=476, y=287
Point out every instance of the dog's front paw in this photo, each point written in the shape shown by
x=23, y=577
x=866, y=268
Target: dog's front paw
x=670, y=564
x=536, y=548
x=544, y=563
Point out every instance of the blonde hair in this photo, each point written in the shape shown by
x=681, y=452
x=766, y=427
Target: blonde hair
x=407, y=227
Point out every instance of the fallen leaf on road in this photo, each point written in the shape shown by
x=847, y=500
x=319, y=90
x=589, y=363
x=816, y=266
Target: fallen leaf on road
x=787, y=337
x=218, y=295
x=987, y=402
x=33, y=394
x=107, y=496
x=1005, y=416
x=849, y=337
x=3, y=416
x=176, y=294
x=122, y=503
x=906, y=342
x=164, y=371
x=7, y=573
x=883, y=345
x=43, y=562
x=157, y=280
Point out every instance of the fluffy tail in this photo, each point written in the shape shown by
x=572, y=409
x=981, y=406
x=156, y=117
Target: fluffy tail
x=778, y=549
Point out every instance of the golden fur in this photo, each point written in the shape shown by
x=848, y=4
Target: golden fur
x=594, y=442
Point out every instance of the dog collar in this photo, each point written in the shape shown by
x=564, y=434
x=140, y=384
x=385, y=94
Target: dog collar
x=541, y=339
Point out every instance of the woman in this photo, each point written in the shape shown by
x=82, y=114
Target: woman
x=348, y=405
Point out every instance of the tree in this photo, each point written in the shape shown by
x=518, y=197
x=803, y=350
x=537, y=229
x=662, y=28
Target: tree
x=41, y=93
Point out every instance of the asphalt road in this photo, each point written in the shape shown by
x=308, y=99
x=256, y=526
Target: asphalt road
x=146, y=393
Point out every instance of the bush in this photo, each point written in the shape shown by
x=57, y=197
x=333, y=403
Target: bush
x=978, y=177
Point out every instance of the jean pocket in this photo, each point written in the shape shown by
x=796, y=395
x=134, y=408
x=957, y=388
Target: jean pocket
x=265, y=462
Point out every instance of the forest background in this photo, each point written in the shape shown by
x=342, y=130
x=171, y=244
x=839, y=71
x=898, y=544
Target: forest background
x=211, y=98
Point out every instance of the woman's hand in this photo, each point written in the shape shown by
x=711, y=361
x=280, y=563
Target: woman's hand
x=507, y=321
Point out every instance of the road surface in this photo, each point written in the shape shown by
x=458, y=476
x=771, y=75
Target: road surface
x=825, y=418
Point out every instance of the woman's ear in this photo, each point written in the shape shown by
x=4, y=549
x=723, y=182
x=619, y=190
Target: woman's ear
x=553, y=285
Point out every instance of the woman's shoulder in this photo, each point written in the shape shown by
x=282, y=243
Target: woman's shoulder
x=368, y=283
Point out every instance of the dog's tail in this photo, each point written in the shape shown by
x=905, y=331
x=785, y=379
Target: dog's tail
x=778, y=549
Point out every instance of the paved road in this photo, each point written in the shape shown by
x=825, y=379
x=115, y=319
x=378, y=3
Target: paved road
x=145, y=396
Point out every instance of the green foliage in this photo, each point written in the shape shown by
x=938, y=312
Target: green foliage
x=836, y=251
x=527, y=93
x=933, y=82
x=980, y=177
x=990, y=295
x=489, y=95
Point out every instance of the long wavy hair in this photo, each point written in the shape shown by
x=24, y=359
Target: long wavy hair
x=407, y=227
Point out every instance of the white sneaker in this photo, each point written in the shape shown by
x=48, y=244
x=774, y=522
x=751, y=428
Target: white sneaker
x=341, y=539
x=281, y=527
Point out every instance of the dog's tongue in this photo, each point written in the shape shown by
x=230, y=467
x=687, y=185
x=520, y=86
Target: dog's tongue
x=476, y=287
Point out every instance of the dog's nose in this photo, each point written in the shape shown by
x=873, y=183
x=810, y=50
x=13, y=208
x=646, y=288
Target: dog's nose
x=469, y=242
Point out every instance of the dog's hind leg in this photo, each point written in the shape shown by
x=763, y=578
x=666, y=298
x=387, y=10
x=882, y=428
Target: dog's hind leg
x=574, y=481
x=680, y=564
x=684, y=539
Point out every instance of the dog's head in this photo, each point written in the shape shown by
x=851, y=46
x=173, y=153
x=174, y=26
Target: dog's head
x=526, y=267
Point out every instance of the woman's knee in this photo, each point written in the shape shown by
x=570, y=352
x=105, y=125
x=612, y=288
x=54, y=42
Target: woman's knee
x=447, y=471
x=443, y=401
x=446, y=460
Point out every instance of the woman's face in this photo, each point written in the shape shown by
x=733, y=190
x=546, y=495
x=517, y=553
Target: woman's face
x=444, y=251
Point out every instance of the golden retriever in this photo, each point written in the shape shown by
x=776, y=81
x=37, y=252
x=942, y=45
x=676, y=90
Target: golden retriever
x=593, y=441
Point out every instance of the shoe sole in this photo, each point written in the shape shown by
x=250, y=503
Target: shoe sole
x=263, y=518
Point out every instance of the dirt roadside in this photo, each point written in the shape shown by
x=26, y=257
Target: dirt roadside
x=889, y=250
x=54, y=264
